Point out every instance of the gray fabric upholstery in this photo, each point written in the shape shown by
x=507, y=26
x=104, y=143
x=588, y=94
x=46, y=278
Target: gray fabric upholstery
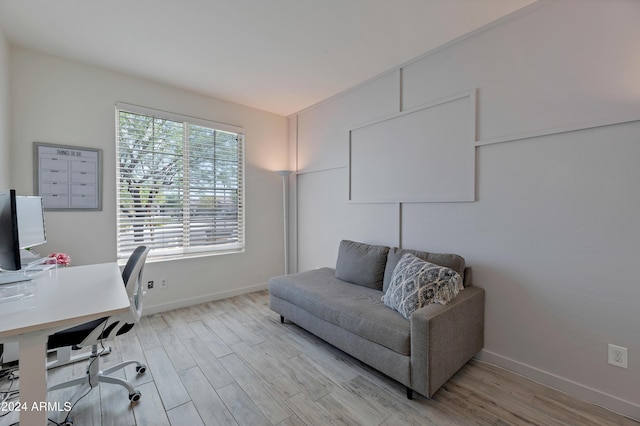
x=444, y=338
x=422, y=353
x=361, y=264
x=355, y=308
x=452, y=261
x=382, y=359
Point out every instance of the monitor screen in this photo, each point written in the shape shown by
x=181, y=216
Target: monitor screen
x=31, y=230
x=9, y=246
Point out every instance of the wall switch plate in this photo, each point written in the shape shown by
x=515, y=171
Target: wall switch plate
x=164, y=283
x=618, y=356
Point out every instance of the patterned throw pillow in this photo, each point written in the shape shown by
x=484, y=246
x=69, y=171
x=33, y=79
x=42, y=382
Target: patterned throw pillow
x=416, y=283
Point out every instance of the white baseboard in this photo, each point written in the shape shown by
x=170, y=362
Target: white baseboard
x=154, y=309
x=605, y=400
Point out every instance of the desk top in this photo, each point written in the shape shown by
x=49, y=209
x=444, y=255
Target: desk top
x=66, y=297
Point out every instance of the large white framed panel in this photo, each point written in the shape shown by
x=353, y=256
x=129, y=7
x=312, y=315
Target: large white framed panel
x=426, y=154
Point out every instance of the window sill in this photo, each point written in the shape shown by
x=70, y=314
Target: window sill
x=171, y=258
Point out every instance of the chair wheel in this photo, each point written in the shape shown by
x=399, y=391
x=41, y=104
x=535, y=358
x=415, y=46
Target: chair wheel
x=135, y=397
x=141, y=369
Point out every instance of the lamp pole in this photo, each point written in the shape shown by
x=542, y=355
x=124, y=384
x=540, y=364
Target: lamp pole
x=285, y=196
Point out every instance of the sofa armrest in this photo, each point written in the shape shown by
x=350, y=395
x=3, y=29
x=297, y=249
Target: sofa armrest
x=444, y=338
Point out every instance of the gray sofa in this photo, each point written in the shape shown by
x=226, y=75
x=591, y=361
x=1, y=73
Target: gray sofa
x=343, y=307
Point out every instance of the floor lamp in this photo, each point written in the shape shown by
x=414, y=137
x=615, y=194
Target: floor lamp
x=285, y=197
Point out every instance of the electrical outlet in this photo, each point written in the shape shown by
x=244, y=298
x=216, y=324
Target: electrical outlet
x=618, y=356
x=150, y=284
x=164, y=283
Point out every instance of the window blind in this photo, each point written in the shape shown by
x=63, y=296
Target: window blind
x=180, y=184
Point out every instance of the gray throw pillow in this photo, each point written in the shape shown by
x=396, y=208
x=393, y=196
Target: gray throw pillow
x=416, y=283
x=452, y=261
x=361, y=264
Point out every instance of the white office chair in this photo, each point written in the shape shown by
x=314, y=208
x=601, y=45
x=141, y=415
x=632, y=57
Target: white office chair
x=96, y=332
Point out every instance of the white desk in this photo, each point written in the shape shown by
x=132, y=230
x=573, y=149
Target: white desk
x=65, y=297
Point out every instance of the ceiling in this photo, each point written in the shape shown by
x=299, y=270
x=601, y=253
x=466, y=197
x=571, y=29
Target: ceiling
x=276, y=55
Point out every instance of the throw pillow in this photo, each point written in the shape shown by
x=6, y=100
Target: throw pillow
x=452, y=261
x=416, y=283
x=361, y=264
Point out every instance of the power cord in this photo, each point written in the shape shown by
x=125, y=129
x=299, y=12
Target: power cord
x=9, y=395
x=91, y=386
x=14, y=394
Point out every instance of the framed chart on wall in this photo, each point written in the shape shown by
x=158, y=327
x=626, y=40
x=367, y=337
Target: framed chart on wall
x=68, y=177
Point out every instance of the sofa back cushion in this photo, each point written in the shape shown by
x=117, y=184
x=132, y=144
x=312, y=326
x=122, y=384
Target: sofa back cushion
x=362, y=264
x=394, y=255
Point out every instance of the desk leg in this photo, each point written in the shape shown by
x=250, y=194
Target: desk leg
x=33, y=379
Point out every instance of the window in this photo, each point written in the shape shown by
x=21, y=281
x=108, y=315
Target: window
x=180, y=184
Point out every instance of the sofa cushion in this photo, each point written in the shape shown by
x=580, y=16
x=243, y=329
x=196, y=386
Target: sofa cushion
x=355, y=308
x=416, y=283
x=361, y=264
x=452, y=261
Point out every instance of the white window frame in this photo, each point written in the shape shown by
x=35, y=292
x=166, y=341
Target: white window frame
x=123, y=249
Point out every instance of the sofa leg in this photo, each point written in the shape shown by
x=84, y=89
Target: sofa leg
x=409, y=393
x=281, y=319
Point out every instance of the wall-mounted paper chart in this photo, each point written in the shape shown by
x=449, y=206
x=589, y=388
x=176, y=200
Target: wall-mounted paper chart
x=67, y=177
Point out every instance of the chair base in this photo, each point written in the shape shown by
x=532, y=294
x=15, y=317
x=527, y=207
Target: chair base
x=64, y=357
x=95, y=376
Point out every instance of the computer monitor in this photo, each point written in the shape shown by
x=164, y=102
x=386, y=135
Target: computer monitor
x=31, y=228
x=9, y=242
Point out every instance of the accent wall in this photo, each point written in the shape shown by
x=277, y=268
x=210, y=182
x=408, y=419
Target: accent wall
x=553, y=234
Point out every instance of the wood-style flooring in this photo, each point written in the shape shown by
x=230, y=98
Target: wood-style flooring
x=231, y=362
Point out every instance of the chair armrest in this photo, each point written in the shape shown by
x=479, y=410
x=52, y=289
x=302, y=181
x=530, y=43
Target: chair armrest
x=444, y=338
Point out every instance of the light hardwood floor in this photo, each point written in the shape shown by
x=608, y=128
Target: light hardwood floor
x=231, y=362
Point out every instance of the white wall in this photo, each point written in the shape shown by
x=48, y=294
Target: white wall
x=5, y=131
x=58, y=101
x=553, y=236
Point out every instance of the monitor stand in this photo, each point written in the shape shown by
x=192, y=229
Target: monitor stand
x=31, y=261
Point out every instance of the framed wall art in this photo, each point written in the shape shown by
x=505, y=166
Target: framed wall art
x=68, y=177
